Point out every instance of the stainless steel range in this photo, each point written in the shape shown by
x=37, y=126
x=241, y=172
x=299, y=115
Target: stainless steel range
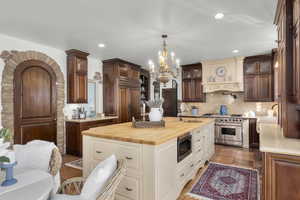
x=228, y=129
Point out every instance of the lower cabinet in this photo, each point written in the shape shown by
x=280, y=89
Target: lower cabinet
x=281, y=177
x=74, y=137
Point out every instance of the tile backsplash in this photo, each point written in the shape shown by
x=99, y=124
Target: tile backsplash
x=235, y=106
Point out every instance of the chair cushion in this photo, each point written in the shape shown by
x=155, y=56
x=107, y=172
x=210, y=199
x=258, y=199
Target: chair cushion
x=65, y=197
x=96, y=181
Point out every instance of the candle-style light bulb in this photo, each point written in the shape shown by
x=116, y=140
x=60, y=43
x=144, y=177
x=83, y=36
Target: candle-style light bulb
x=177, y=63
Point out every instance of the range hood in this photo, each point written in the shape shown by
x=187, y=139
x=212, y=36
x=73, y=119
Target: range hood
x=223, y=75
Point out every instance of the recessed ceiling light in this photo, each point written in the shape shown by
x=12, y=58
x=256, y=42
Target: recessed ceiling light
x=235, y=51
x=101, y=45
x=219, y=16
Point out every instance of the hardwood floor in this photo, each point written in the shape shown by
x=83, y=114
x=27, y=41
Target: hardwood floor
x=224, y=154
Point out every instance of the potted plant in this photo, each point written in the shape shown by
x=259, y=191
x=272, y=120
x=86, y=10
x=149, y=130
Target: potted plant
x=156, y=111
x=5, y=135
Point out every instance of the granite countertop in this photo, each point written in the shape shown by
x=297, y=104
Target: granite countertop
x=152, y=136
x=273, y=141
x=92, y=119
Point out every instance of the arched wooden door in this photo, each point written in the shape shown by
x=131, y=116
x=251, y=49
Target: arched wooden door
x=34, y=102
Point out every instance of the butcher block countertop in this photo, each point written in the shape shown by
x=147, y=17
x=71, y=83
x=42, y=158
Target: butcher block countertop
x=152, y=136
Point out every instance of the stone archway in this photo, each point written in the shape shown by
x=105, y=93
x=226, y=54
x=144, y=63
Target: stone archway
x=12, y=59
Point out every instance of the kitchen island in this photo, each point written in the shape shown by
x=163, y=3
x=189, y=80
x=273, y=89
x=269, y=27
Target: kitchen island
x=160, y=160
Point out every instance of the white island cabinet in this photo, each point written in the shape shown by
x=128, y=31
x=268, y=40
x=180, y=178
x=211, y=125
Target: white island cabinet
x=153, y=171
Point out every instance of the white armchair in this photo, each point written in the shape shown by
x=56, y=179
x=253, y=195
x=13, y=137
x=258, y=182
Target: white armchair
x=100, y=185
x=40, y=155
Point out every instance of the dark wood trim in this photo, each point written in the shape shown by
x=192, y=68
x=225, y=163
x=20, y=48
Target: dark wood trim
x=114, y=60
x=78, y=53
x=192, y=65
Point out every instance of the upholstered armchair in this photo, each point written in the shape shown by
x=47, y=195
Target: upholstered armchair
x=74, y=186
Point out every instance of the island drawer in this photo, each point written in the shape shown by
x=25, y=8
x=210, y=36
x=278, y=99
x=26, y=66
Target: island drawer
x=131, y=154
x=185, y=174
x=102, y=150
x=129, y=187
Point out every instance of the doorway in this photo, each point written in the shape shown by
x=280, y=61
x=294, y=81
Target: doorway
x=170, y=102
x=35, y=111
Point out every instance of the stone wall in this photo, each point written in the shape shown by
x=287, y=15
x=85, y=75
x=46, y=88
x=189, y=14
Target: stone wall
x=12, y=59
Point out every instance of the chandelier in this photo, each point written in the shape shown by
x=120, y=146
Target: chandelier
x=168, y=65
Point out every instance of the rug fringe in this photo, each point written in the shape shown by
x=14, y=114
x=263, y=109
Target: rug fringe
x=237, y=166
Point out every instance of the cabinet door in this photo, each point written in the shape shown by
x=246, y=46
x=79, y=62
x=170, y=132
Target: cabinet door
x=81, y=91
x=251, y=67
x=134, y=106
x=124, y=101
x=186, y=90
x=77, y=71
x=264, y=87
x=265, y=66
x=198, y=90
x=281, y=177
x=250, y=88
x=296, y=50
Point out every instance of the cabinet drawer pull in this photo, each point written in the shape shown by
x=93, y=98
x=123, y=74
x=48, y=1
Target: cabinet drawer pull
x=98, y=151
x=192, y=165
x=199, y=150
x=128, y=189
x=198, y=140
x=128, y=158
x=182, y=175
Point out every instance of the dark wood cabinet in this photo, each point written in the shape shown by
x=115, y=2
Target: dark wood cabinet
x=121, y=89
x=77, y=76
x=259, y=79
x=253, y=135
x=74, y=137
x=281, y=177
x=287, y=21
x=296, y=50
x=192, y=88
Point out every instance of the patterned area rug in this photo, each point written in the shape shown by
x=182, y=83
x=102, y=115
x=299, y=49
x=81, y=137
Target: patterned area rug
x=77, y=164
x=223, y=182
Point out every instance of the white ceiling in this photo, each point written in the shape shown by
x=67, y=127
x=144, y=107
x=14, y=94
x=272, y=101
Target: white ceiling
x=131, y=29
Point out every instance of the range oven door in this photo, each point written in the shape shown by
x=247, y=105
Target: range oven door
x=229, y=134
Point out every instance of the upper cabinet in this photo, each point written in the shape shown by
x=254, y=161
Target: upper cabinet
x=192, y=88
x=77, y=76
x=258, y=79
